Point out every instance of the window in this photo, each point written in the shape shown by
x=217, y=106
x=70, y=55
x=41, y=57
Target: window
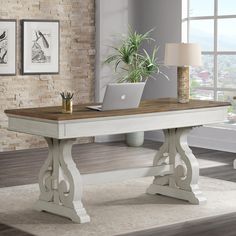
x=211, y=23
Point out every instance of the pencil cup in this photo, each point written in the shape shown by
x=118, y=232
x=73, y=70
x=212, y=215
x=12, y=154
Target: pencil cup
x=67, y=106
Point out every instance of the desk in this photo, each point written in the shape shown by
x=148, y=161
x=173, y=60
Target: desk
x=175, y=169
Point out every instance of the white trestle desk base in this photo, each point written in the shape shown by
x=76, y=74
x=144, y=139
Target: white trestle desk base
x=175, y=168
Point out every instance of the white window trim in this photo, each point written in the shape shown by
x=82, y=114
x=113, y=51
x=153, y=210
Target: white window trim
x=215, y=53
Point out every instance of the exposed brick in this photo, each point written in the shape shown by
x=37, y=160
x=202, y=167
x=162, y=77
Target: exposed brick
x=77, y=60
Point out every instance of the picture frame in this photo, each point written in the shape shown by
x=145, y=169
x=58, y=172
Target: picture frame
x=40, y=47
x=7, y=47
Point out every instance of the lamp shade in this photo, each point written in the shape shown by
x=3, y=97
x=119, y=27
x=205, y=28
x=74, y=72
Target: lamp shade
x=182, y=54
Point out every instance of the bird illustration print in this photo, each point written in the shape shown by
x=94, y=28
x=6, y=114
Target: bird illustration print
x=3, y=47
x=41, y=47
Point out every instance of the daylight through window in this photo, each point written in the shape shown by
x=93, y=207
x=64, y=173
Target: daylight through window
x=212, y=24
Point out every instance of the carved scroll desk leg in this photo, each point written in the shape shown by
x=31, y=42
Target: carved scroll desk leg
x=183, y=183
x=60, y=183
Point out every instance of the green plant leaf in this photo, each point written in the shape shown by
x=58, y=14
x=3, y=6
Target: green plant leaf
x=110, y=59
x=136, y=65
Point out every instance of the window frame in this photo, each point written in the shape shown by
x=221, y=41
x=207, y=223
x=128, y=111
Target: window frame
x=185, y=38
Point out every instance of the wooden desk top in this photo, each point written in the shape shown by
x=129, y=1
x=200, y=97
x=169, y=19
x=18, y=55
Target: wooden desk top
x=81, y=112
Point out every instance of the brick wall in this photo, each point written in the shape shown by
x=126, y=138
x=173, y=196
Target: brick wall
x=77, y=60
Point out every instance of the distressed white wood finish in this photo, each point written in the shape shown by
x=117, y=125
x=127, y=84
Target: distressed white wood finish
x=183, y=182
x=117, y=124
x=175, y=168
x=120, y=175
x=60, y=183
x=45, y=128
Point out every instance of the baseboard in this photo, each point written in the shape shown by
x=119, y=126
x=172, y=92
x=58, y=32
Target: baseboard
x=204, y=137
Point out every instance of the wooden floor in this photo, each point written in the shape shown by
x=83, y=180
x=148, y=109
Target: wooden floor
x=22, y=167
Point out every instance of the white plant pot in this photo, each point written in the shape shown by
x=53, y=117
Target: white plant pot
x=135, y=139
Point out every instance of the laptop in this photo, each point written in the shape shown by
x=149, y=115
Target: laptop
x=121, y=96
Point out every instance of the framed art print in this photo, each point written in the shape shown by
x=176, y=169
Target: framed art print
x=7, y=47
x=40, y=46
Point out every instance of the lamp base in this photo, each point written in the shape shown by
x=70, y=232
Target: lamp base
x=183, y=84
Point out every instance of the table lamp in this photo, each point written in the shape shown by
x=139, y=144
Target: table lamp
x=183, y=55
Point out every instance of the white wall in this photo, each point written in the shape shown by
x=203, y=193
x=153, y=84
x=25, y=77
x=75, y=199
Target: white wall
x=165, y=17
x=111, y=22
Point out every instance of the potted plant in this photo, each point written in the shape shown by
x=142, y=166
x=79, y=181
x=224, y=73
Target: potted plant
x=134, y=64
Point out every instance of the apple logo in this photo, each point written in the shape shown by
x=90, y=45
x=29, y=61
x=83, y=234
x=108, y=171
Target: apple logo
x=123, y=97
